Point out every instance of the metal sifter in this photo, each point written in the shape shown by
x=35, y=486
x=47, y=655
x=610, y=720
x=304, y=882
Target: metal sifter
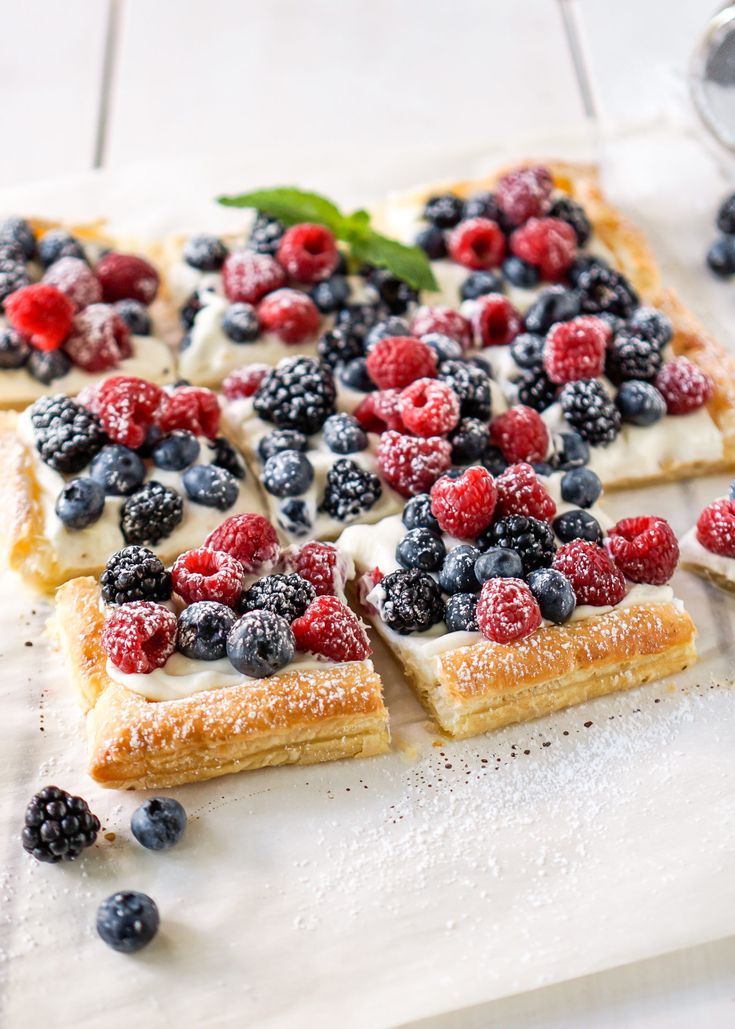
x=713, y=76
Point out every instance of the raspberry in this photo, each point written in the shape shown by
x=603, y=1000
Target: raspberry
x=644, y=549
x=495, y=321
x=248, y=276
x=411, y=465
x=477, y=243
x=127, y=407
x=127, y=277
x=139, y=637
x=99, y=340
x=575, y=350
x=321, y=564
x=594, y=578
x=429, y=407
x=289, y=314
x=328, y=627
x=76, y=280
x=547, y=243
x=207, y=574
x=380, y=411
x=244, y=381
x=716, y=528
x=521, y=493
x=507, y=610
x=444, y=320
x=397, y=361
x=308, y=252
x=684, y=386
x=193, y=408
x=520, y=434
x=464, y=506
x=524, y=193
x=40, y=313
x=250, y=538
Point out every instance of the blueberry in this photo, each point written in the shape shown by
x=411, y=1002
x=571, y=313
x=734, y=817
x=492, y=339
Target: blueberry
x=570, y=451
x=204, y=252
x=640, y=403
x=343, y=434
x=80, y=503
x=294, y=517
x=18, y=232
x=288, y=474
x=279, y=440
x=260, y=643
x=159, y=823
x=721, y=256
x=14, y=352
x=210, y=486
x=498, y=563
x=469, y=441
x=127, y=921
x=331, y=294
x=445, y=348
x=520, y=273
x=554, y=594
x=355, y=375
x=176, y=451
x=461, y=613
x=202, y=631
x=118, y=470
x=494, y=461
x=458, y=571
x=55, y=244
x=477, y=284
x=431, y=240
x=421, y=548
x=581, y=487
x=542, y=468
x=482, y=205
x=417, y=514
x=648, y=323
x=577, y=525
x=444, y=211
x=553, y=304
x=48, y=365
x=135, y=317
x=527, y=350
x=240, y=323
x=392, y=326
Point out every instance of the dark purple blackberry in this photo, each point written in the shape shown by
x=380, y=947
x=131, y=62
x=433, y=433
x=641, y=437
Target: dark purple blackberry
x=349, y=491
x=569, y=211
x=338, y=346
x=298, y=394
x=604, y=289
x=493, y=460
x=412, y=602
x=58, y=827
x=648, y=323
x=17, y=232
x=14, y=352
x=225, y=456
x=583, y=263
x=135, y=573
x=58, y=243
x=630, y=357
x=536, y=391
x=444, y=211
x=67, y=435
x=266, y=234
x=285, y=595
x=472, y=386
x=151, y=513
x=396, y=294
x=204, y=252
x=588, y=409
x=13, y=274
x=532, y=539
x=469, y=441
x=482, y=205
x=553, y=304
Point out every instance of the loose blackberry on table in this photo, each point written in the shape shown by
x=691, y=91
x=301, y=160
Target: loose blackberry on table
x=58, y=826
x=135, y=573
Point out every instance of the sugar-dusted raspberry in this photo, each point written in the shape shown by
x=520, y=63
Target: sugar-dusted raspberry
x=308, y=252
x=248, y=537
x=328, y=627
x=247, y=276
x=289, y=314
x=549, y=244
x=521, y=493
x=495, y=320
x=444, y=320
x=207, y=574
x=322, y=564
x=524, y=193
x=139, y=637
x=595, y=579
x=429, y=407
x=380, y=411
x=193, y=408
x=683, y=385
x=411, y=465
x=127, y=407
x=76, y=280
x=644, y=549
x=716, y=528
x=520, y=434
x=397, y=361
x=575, y=349
x=464, y=506
x=243, y=382
x=40, y=313
x=99, y=339
x=477, y=243
x=507, y=610
x=127, y=277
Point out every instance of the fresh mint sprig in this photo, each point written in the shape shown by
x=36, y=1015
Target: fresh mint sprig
x=291, y=206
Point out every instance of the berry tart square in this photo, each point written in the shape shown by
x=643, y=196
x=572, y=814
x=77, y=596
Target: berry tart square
x=505, y=601
x=239, y=656
x=124, y=462
x=708, y=548
x=72, y=311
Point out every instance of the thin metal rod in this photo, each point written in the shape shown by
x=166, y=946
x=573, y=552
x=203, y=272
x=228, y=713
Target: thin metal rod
x=569, y=21
x=108, y=69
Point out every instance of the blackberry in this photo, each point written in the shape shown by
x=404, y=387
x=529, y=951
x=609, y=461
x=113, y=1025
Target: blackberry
x=225, y=456
x=590, y=411
x=349, y=490
x=358, y=319
x=461, y=613
x=536, y=391
x=285, y=595
x=58, y=827
x=17, y=231
x=58, y=243
x=583, y=263
x=472, y=386
x=13, y=274
x=67, y=434
x=469, y=441
x=204, y=252
x=604, y=289
x=151, y=514
x=135, y=573
x=630, y=357
x=396, y=294
x=412, y=602
x=482, y=205
x=266, y=234
x=298, y=394
x=48, y=365
x=532, y=540
x=569, y=211
x=338, y=346
x=14, y=352
x=648, y=323
x=444, y=211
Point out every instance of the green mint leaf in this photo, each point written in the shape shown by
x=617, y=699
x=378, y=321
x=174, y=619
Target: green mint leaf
x=291, y=205
x=408, y=263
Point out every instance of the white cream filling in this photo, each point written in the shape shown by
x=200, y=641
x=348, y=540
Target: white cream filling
x=692, y=552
